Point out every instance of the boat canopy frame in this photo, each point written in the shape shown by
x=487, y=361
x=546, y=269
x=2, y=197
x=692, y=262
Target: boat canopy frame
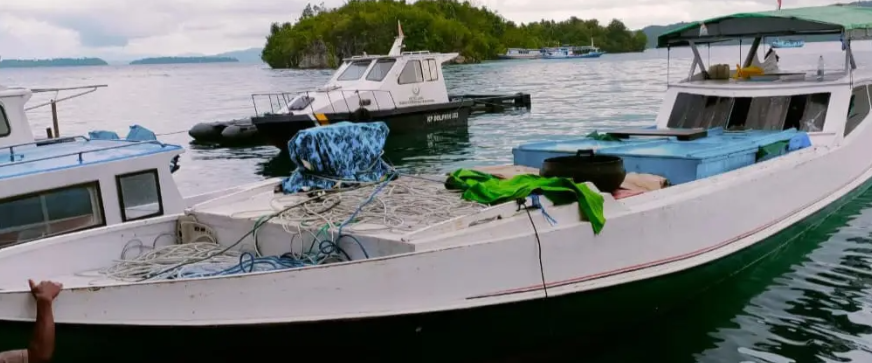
x=851, y=22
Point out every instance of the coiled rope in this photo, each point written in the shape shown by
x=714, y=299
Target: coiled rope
x=397, y=205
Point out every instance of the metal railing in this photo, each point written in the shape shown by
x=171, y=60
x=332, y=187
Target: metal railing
x=351, y=99
x=77, y=153
x=54, y=101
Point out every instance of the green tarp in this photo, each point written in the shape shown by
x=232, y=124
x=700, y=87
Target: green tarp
x=488, y=189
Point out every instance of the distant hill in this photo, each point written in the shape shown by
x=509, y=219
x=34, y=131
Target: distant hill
x=250, y=55
x=184, y=60
x=653, y=31
x=54, y=62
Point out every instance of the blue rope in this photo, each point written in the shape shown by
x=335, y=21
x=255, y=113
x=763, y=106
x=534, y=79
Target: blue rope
x=538, y=204
x=375, y=192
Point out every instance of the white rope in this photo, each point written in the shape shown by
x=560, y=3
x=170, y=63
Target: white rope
x=405, y=204
x=159, y=259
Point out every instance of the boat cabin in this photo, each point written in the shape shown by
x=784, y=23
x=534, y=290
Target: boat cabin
x=713, y=122
x=374, y=83
x=62, y=185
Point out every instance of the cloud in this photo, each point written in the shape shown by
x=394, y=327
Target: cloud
x=61, y=28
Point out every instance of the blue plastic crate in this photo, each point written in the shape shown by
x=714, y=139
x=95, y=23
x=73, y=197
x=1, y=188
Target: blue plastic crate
x=681, y=162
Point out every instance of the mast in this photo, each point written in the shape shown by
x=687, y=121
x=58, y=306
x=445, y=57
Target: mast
x=397, y=47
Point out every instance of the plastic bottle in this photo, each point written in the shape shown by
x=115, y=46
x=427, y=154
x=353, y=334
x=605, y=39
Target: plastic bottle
x=820, y=68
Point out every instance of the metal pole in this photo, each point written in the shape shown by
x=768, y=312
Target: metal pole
x=54, y=118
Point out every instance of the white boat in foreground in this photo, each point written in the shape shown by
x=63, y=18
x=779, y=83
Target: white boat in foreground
x=746, y=158
x=61, y=185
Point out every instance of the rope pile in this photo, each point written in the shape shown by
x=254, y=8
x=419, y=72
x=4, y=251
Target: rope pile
x=399, y=205
x=404, y=204
x=152, y=263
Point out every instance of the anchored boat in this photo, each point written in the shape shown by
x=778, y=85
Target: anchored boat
x=521, y=53
x=568, y=52
x=654, y=215
x=60, y=185
x=406, y=90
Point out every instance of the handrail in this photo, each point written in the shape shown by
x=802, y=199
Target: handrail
x=90, y=89
x=79, y=153
x=10, y=147
x=282, y=99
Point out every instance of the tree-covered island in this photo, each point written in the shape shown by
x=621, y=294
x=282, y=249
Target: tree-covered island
x=323, y=36
x=54, y=62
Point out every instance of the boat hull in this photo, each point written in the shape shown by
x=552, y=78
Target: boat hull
x=518, y=57
x=279, y=129
x=480, y=333
x=579, y=56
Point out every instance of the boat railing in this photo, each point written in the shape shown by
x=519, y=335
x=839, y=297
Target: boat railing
x=11, y=148
x=373, y=100
x=54, y=101
x=79, y=154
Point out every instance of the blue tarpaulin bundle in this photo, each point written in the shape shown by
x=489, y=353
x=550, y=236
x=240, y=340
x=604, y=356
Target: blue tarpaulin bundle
x=343, y=151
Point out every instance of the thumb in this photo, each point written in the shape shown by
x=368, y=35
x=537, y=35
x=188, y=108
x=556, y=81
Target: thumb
x=32, y=284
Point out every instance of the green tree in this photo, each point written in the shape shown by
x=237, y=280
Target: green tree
x=477, y=33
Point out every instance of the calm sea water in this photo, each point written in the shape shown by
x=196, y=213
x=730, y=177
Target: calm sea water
x=811, y=302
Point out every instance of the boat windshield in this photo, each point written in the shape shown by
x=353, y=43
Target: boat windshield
x=803, y=112
x=4, y=123
x=355, y=70
x=380, y=70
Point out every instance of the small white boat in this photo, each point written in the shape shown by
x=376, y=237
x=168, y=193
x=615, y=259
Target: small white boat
x=410, y=249
x=522, y=53
x=404, y=89
x=60, y=185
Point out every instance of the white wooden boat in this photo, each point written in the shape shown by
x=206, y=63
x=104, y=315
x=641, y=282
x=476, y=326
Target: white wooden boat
x=59, y=185
x=460, y=261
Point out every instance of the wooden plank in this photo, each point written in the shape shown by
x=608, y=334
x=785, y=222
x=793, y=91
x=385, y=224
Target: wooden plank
x=681, y=134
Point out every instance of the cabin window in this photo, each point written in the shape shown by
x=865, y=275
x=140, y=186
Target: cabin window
x=858, y=109
x=50, y=213
x=4, y=123
x=354, y=71
x=380, y=70
x=411, y=73
x=434, y=70
x=803, y=112
x=139, y=195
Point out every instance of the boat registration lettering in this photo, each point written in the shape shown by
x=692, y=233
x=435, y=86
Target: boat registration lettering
x=416, y=100
x=443, y=117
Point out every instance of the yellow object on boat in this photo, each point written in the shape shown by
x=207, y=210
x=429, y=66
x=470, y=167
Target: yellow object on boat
x=747, y=72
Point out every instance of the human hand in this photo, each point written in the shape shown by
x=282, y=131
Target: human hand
x=45, y=291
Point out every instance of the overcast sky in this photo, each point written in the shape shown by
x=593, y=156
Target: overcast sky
x=128, y=28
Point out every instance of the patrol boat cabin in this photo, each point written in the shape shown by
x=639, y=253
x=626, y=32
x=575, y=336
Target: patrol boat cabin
x=406, y=90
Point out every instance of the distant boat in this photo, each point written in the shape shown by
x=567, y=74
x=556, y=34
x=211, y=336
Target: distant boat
x=778, y=43
x=571, y=52
x=522, y=53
